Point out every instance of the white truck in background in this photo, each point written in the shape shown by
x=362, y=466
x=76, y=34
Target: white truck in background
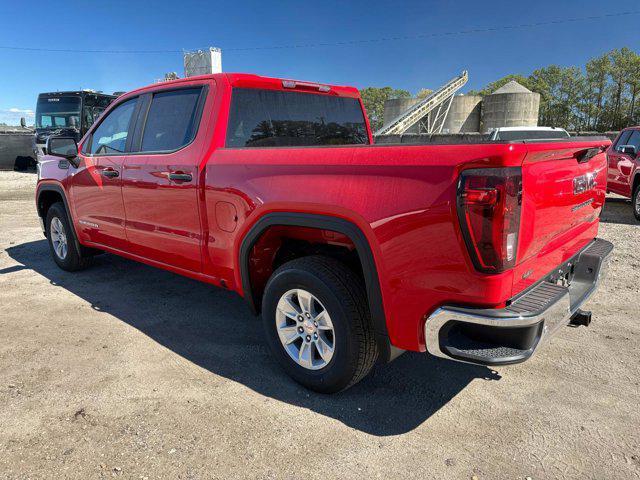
x=508, y=134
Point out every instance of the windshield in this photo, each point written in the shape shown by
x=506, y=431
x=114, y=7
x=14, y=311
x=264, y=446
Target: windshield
x=58, y=112
x=531, y=134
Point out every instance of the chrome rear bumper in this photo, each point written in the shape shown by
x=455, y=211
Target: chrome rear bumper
x=512, y=334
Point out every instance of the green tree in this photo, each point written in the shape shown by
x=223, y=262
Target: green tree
x=560, y=90
x=597, y=75
x=633, y=82
x=374, y=98
x=619, y=74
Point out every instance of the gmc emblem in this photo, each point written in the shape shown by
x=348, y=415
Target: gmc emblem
x=583, y=183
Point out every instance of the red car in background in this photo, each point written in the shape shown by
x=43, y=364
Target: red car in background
x=624, y=174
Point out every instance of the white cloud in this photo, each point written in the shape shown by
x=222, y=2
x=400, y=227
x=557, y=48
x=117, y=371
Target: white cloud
x=28, y=112
x=11, y=116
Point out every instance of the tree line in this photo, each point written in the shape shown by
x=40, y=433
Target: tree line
x=601, y=96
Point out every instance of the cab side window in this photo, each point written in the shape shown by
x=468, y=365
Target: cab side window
x=172, y=120
x=622, y=140
x=110, y=138
x=634, y=140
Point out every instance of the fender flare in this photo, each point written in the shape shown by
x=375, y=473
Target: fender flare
x=326, y=222
x=53, y=187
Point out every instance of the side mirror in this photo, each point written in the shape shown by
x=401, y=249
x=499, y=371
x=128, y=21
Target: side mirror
x=23, y=122
x=628, y=150
x=65, y=147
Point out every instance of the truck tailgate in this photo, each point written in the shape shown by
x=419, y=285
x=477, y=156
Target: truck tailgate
x=564, y=187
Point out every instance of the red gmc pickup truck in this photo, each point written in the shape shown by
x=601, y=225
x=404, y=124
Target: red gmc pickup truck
x=624, y=167
x=352, y=252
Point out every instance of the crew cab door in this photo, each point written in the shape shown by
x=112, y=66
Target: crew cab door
x=160, y=178
x=621, y=165
x=96, y=184
x=627, y=162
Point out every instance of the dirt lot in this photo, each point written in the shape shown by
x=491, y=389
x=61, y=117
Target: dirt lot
x=125, y=370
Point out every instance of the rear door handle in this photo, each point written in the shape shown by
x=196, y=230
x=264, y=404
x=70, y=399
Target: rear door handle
x=180, y=177
x=109, y=173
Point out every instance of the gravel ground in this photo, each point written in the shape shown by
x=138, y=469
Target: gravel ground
x=128, y=371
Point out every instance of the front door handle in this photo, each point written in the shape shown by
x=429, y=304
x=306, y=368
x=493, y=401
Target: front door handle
x=109, y=173
x=180, y=177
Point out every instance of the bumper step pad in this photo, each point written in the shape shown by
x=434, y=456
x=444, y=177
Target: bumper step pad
x=467, y=348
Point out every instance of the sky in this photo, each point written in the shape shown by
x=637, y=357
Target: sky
x=409, y=45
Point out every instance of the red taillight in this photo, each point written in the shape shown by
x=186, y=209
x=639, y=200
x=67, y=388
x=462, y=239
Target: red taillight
x=489, y=201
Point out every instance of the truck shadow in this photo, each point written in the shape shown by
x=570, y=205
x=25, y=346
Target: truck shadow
x=618, y=210
x=214, y=329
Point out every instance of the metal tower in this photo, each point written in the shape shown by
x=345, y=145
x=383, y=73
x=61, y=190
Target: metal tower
x=432, y=111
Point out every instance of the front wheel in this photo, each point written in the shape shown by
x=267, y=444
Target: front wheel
x=635, y=202
x=62, y=242
x=317, y=323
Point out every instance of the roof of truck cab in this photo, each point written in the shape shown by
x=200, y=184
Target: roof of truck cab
x=248, y=80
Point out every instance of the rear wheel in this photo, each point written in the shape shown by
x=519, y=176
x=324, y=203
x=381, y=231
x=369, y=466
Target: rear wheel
x=317, y=323
x=635, y=201
x=62, y=242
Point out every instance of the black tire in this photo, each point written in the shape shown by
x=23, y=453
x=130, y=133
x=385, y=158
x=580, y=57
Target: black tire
x=635, y=202
x=342, y=294
x=73, y=259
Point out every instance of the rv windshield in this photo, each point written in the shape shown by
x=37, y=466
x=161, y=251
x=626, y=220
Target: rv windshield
x=58, y=112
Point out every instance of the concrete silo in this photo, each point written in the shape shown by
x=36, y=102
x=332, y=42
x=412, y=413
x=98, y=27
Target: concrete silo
x=395, y=106
x=464, y=114
x=512, y=105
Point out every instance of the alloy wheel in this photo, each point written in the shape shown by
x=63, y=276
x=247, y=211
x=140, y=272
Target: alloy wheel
x=58, y=238
x=305, y=329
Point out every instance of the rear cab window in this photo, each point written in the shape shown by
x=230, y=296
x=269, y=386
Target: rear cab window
x=275, y=118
